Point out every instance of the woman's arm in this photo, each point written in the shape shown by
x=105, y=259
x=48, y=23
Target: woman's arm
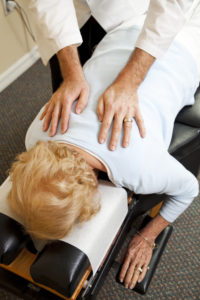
x=161, y=174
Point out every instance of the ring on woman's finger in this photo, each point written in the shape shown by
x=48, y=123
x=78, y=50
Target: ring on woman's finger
x=140, y=269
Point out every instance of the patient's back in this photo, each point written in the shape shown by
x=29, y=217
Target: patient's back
x=169, y=85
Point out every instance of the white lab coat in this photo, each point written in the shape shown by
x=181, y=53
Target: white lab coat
x=56, y=23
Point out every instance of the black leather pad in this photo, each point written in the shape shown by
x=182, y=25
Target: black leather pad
x=190, y=115
x=185, y=140
x=161, y=241
x=60, y=266
x=12, y=239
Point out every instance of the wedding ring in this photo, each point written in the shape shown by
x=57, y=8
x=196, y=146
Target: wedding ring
x=140, y=269
x=128, y=120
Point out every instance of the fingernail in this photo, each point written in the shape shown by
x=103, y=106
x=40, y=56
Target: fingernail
x=112, y=147
x=126, y=286
x=125, y=144
x=101, y=140
x=78, y=110
x=121, y=280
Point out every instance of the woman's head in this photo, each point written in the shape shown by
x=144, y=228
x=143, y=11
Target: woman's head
x=53, y=187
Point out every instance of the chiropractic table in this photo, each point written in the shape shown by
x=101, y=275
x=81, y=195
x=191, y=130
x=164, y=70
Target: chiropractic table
x=76, y=266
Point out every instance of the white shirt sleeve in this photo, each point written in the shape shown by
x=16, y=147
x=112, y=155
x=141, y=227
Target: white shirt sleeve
x=54, y=25
x=165, y=18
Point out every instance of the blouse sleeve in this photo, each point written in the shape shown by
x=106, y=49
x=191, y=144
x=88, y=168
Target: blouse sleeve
x=163, y=174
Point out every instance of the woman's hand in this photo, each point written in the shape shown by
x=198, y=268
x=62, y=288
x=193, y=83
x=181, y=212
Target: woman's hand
x=138, y=256
x=140, y=251
x=72, y=88
x=119, y=101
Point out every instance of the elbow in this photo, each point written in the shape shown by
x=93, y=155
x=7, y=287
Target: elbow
x=192, y=186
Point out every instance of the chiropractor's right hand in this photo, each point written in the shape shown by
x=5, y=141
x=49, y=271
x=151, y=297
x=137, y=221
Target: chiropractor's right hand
x=74, y=87
x=59, y=106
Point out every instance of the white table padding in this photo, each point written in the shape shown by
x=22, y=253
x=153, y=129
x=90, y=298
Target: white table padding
x=94, y=237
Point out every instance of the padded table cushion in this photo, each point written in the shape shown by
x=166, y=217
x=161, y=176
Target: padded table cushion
x=190, y=115
x=12, y=235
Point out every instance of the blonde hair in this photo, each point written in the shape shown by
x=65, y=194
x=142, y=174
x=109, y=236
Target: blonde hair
x=53, y=188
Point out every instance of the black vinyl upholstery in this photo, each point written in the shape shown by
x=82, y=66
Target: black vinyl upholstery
x=60, y=266
x=12, y=239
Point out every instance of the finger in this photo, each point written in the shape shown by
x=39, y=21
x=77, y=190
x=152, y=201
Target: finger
x=82, y=102
x=140, y=123
x=48, y=117
x=66, y=110
x=116, y=130
x=127, y=133
x=145, y=267
x=44, y=111
x=143, y=273
x=55, y=118
x=106, y=123
x=130, y=273
x=100, y=109
x=136, y=273
x=124, y=268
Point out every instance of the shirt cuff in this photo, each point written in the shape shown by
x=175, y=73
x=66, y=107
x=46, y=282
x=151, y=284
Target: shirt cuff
x=48, y=48
x=149, y=47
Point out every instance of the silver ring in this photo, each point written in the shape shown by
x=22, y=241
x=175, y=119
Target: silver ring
x=128, y=120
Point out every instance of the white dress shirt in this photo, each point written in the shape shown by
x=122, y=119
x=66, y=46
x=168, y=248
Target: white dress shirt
x=56, y=23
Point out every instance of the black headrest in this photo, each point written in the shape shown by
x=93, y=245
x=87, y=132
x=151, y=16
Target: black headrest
x=12, y=239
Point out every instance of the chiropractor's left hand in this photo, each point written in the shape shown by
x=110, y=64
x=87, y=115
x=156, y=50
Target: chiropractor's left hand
x=119, y=102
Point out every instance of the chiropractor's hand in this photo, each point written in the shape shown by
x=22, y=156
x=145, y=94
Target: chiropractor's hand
x=119, y=102
x=74, y=87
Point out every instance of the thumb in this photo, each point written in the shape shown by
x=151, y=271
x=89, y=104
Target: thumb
x=100, y=109
x=82, y=102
